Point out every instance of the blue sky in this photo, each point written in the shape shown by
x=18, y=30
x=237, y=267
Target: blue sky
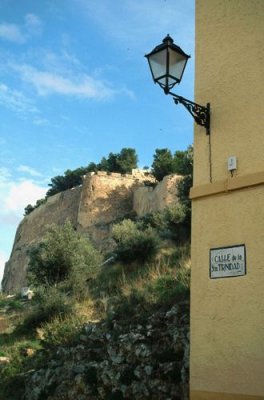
x=74, y=86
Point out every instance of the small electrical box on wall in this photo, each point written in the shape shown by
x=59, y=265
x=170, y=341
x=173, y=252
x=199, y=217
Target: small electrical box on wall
x=232, y=163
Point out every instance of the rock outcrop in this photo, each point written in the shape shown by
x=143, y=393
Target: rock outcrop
x=92, y=208
x=148, y=360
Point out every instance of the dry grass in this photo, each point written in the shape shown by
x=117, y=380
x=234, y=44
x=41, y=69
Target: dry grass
x=4, y=324
x=162, y=268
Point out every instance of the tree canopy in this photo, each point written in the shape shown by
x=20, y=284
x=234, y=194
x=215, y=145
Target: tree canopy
x=70, y=179
x=122, y=162
x=164, y=163
x=62, y=255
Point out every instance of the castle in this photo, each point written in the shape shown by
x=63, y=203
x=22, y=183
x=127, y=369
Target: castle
x=93, y=207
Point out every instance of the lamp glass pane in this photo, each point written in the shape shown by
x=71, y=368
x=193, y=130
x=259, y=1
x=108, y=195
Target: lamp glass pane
x=158, y=63
x=177, y=64
x=169, y=82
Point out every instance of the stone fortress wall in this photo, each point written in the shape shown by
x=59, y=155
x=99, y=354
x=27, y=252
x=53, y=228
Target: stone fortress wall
x=102, y=200
x=32, y=228
x=148, y=199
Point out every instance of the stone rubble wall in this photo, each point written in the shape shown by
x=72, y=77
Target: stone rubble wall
x=102, y=200
x=148, y=360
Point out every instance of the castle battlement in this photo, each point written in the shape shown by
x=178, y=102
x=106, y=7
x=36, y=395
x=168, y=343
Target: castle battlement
x=136, y=174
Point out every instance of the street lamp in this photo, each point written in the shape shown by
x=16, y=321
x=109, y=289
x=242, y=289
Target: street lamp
x=167, y=63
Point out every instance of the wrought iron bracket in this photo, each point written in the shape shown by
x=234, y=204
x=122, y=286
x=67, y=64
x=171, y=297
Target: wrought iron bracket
x=200, y=113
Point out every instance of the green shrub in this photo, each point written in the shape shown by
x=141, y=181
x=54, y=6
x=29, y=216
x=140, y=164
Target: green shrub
x=12, y=374
x=178, y=224
x=62, y=330
x=48, y=304
x=156, y=220
x=107, y=281
x=173, y=222
x=13, y=303
x=12, y=386
x=134, y=244
x=85, y=269
x=63, y=255
x=167, y=290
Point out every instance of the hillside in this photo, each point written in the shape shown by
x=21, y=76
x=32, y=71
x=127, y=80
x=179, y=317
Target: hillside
x=109, y=318
x=128, y=338
x=97, y=329
x=92, y=208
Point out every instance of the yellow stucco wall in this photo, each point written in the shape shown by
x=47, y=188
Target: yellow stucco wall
x=227, y=314
x=229, y=75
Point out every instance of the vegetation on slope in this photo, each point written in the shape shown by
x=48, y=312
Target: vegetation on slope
x=150, y=271
x=123, y=292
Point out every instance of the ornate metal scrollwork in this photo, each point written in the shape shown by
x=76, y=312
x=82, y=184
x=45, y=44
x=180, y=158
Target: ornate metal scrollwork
x=200, y=113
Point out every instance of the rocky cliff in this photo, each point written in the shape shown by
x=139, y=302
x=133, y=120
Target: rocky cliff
x=140, y=361
x=92, y=208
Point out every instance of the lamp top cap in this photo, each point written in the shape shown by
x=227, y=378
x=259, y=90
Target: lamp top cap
x=168, y=39
x=168, y=42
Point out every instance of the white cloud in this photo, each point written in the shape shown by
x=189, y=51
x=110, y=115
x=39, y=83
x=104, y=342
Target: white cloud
x=4, y=175
x=12, y=33
x=21, y=33
x=17, y=194
x=16, y=101
x=40, y=121
x=56, y=74
x=9, y=218
x=14, y=196
x=78, y=85
x=28, y=170
x=21, y=194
